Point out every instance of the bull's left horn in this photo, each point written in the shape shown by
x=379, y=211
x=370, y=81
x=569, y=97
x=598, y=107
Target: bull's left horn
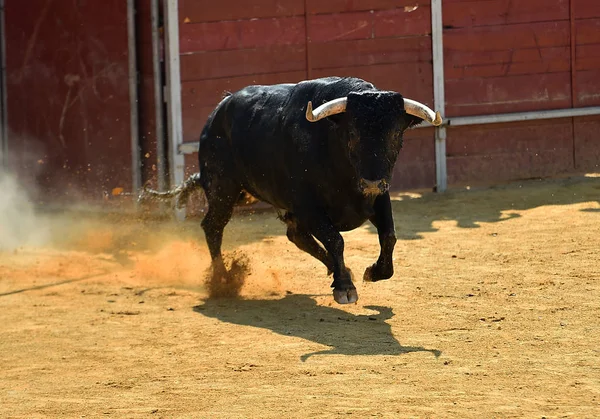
x=332, y=107
x=415, y=108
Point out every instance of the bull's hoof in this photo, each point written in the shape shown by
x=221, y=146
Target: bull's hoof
x=373, y=274
x=345, y=296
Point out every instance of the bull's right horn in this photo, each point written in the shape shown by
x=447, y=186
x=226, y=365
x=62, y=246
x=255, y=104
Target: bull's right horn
x=415, y=108
x=332, y=107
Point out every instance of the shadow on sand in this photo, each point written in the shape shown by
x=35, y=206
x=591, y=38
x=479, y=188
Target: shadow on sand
x=300, y=316
x=469, y=208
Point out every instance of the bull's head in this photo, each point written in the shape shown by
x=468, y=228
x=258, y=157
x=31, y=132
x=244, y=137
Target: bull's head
x=376, y=123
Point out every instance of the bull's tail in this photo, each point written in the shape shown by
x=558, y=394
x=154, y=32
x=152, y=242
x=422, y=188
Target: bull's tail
x=181, y=192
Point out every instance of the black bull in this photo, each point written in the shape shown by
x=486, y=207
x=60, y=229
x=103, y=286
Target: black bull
x=329, y=169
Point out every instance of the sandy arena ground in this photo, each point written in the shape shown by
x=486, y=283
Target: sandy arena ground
x=493, y=312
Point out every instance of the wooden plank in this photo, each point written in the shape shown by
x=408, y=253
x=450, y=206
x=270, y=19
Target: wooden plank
x=587, y=31
x=482, y=96
x=483, y=170
x=588, y=57
x=513, y=137
x=402, y=22
x=474, y=13
x=504, y=152
x=196, y=11
x=508, y=62
x=335, y=6
x=367, y=24
x=585, y=9
x=587, y=146
x=370, y=51
x=340, y=26
x=412, y=80
x=243, y=34
x=587, y=84
x=231, y=63
x=507, y=37
x=209, y=92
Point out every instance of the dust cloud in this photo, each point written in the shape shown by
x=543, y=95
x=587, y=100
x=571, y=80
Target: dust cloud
x=228, y=284
x=19, y=223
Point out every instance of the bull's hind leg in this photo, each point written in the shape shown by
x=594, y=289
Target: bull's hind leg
x=384, y=222
x=306, y=242
x=222, y=196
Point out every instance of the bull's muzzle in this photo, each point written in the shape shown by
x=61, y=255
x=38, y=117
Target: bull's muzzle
x=374, y=187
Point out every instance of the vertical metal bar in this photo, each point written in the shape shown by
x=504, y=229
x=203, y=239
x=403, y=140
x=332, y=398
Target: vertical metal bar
x=161, y=154
x=437, y=43
x=136, y=166
x=176, y=158
x=3, y=105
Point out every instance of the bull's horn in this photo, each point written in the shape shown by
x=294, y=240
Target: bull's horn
x=332, y=107
x=415, y=108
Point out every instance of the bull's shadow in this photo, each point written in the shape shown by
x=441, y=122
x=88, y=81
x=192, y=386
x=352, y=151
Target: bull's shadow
x=299, y=315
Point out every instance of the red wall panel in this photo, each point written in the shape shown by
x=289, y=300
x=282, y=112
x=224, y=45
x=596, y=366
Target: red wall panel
x=370, y=52
x=335, y=6
x=588, y=57
x=588, y=88
x=587, y=151
x=465, y=65
x=587, y=64
x=241, y=34
x=68, y=97
x=340, y=27
x=473, y=13
x=485, y=96
x=501, y=152
x=402, y=22
x=232, y=63
x=369, y=24
x=506, y=37
x=586, y=8
x=195, y=11
x=415, y=168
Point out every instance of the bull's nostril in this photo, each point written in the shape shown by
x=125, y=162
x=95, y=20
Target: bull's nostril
x=373, y=187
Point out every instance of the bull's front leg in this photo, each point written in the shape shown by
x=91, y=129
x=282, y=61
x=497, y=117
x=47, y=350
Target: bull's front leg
x=384, y=222
x=322, y=228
